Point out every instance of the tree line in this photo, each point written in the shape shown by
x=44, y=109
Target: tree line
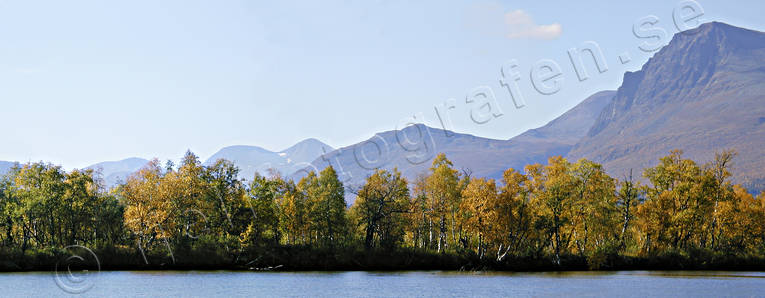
x=547, y=212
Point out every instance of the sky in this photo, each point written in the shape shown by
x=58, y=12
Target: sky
x=83, y=82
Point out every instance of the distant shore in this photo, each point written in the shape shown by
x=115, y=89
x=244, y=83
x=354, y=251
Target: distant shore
x=295, y=259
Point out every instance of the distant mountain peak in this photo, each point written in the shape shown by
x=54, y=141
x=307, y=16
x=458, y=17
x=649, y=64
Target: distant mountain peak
x=133, y=160
x=712, y=40
x=254, y=159
x=244, y=148
x=123, y=163
x=115, y=172
x=720, y=29
x=309, y=142
x=693, y=61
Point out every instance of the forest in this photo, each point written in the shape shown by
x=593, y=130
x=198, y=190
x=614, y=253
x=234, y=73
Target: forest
x=562, y=215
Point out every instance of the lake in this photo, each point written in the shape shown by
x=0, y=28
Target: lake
x=393, y=284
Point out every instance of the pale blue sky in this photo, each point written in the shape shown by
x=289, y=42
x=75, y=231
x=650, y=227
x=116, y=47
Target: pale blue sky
x=89, y=81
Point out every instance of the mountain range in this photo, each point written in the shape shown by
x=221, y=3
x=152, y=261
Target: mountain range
x=249, y=159
x=702, y=93
x=5, y=166
x=116, y=172
x=252, y=159
x=480, y=157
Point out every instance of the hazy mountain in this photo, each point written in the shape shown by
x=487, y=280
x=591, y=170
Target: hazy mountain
x=115, y=172
x=251, y=159
x=479, y=156
x=248, y=158
x=5, y=166
x=306, y=151
x=570, y=127
x=703, y=92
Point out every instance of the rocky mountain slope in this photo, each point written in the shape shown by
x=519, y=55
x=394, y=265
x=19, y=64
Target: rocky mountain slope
x=702, y=93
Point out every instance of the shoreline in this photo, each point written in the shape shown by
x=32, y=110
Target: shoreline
x=384, y=262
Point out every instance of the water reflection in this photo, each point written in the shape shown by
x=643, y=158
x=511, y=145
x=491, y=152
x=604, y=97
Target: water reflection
x=398, y=284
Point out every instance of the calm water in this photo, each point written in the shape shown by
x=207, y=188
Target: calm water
x=323, y=284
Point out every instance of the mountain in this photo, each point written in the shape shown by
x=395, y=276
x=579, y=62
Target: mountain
x=251, y=159
x=115, y=172
x=481, y=157
x=306, y=151
x=703, y=92
x=569, y=128
x=248, y=158
x=5, y=166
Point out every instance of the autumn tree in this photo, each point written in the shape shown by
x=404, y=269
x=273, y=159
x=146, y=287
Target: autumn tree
x=513, y=215
x=443, y=193
x=146, y=212
x=556, y=209
x=721, y=190
x=628, y=199
x=537, y=237
x=556, y=198
x=594, y=217
x=676, y=207
x=740, y=223
x=481, y=207
x=380, y=208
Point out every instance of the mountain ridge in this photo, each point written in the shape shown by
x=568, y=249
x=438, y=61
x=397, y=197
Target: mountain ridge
x=481, y=157
x=5, y=166
x=115, y=172
x=701, y=93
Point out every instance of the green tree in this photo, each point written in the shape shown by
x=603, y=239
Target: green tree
x=40, y=189
x=224, y=206
x=327, y=207
x=262, y=197
x=293, y=215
